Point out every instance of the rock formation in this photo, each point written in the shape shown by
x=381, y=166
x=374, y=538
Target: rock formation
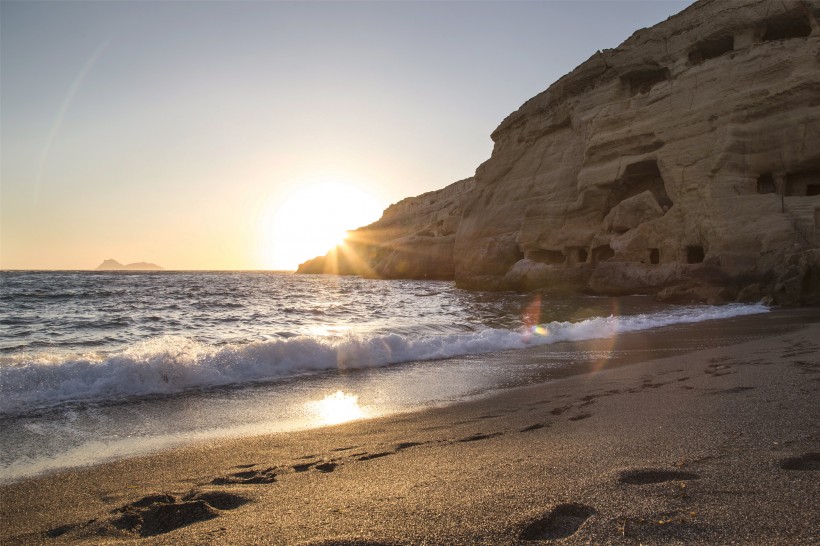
x=114, y=265
x=684, y=162
x=413, y=239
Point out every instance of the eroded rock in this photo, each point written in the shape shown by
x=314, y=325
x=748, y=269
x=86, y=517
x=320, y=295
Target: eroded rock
x=686, y=160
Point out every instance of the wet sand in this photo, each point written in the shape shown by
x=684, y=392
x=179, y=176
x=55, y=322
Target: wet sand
x=657, y=442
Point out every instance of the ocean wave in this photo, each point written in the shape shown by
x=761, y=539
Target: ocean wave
x=172, y=364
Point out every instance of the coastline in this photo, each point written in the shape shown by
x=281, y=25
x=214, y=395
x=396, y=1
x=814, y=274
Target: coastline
x=717, y=426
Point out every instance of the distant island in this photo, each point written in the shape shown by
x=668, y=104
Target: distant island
x=114, y=265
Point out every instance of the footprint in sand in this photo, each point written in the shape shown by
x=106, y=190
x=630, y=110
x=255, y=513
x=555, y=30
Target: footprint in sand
x=345, y=542
x=562, y=521
x=316, y=465
x=247, y=477
x=807, y=461
x=370, y=456
x=477, y=437
x=159, y=514
x=536, y=426
x=648, y=476
x=407, y=445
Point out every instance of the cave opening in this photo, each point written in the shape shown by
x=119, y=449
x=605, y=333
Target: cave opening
x=709, y=49
x=765, y=183
x=654, y=256
x=637, y=178
x=641, y=81
x=602, y=253
x=552, y=257
x=786, y=27
x=577, y=255
x=695, y=254
x=805, y=183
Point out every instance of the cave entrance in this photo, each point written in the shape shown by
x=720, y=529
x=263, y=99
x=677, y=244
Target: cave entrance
x=709, y=49
x=806, y=183
x=552, y=257
x=602, y=253
x=654, y=256
x=637, y=178
x=577, y=255
x=641, y=81
x=765, y=183
x=786, y=27
x=695, y=254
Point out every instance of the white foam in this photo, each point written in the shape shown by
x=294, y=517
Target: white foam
x=168, y=365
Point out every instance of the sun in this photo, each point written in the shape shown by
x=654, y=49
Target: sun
x=313, y=218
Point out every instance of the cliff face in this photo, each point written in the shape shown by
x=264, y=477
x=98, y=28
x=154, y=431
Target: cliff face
x=686, y=161
x=414, y=239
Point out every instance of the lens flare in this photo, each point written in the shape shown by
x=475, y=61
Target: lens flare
x=540, y=330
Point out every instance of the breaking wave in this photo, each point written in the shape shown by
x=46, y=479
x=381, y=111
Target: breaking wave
x=172, y=364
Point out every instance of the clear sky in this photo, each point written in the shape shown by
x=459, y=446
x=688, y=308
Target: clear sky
x=226, y=135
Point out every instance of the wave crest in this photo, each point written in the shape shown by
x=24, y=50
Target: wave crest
x=171, y=364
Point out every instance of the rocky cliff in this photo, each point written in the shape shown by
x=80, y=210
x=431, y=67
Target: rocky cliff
x=414, y=239
x=686, y=161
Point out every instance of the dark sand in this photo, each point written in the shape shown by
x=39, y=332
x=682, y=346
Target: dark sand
x=713, y=446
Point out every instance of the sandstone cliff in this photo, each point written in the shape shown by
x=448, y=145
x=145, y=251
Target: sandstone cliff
x=414, y=239
x=686, y=161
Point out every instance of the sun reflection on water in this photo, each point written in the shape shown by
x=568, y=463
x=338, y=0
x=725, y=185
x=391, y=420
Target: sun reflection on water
x=336, y=408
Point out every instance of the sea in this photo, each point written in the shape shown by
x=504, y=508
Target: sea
x=96, y=366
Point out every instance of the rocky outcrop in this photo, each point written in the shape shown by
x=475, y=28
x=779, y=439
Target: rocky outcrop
x=413, y=239
x=684, y=162
x=114, y=265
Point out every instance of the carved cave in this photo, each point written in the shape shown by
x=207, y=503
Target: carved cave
x=694, y=254
x=637, y=178
x=788, y=26
x=709, y=49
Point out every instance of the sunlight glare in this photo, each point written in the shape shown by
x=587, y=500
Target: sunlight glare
x=337, y=408
x=312, y=219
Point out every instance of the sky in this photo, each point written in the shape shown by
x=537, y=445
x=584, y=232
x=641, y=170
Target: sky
x=231, y=135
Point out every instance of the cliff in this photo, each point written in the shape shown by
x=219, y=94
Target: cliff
x=684, y=162
x=414, y=239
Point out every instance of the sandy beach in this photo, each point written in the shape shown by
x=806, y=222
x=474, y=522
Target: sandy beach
x=716, y=443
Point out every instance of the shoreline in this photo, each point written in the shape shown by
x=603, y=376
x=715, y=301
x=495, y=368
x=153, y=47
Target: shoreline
x=557, y=448
x=502, y=370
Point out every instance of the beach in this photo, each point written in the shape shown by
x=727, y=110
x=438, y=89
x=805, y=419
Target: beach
x=711, y=445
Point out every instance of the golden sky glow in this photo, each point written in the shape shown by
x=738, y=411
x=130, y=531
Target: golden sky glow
x=195, y=134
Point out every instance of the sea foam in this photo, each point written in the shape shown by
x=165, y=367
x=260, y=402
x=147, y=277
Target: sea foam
x=172, y=364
